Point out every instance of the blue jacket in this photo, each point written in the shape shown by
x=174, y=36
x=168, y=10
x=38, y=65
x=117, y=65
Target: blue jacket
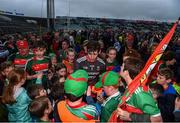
x=18, y=111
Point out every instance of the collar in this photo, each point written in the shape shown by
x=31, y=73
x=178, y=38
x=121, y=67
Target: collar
x=110, y=97
x=76, y=106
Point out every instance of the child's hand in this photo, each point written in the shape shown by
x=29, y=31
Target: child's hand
x=177, y=103
x=39, y=75
x=88, y=93
x=50, y=75
x=100, y=98
x=62, y=80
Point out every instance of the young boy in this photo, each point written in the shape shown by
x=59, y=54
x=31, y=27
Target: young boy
x=38, y=65
x=41, y=108
x=91, y=62
x=164, y=78
x=141, y=102
x=110, y=82
x=74, y=109
x=69, y=61
x=36, y=90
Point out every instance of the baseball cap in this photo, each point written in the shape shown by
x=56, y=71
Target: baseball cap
x=107, y=79
x=76, y=83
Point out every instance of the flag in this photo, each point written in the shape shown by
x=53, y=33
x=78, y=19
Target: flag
x=142, y=77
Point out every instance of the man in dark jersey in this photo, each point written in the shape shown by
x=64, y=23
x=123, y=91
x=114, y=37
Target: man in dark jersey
x=91, y=62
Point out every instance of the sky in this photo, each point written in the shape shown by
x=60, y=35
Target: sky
x=163, y=10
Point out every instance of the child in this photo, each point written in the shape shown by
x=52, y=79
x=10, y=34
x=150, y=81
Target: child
x=16, y=98
x=41, y=108
x=61, y=70
x=69, y=61
x=110, y=82
x=91, y=63
x=53, y=61
x=74, y=109
x=36, y=90
x=141, y=102
x=38, y=65
x=5, y=68
x=164, y=78
x=111, y=62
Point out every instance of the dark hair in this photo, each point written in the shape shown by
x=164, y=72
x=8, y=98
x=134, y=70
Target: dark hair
x=59, y=66
x=166, y=72
x=5, y=65
x=38, y=106
x=39, y=44
x=157, y=87
x=132, y=53
x=111, y=48
x=65, y=40
x=133, y=66
x=72, y=98
x=168, y=56
x=34, y=90
x=93, y=46
x=57, y=91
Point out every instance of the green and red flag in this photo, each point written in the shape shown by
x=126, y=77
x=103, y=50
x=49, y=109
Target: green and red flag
x=142, y=77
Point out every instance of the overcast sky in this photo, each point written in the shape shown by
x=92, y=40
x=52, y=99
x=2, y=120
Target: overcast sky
x=163, y=10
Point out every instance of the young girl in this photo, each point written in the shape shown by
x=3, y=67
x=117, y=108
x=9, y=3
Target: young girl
x=111, y=62
x=16, y=98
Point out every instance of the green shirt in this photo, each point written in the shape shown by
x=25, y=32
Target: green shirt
x=34, y=66
x=109, y=106
x=144, y=101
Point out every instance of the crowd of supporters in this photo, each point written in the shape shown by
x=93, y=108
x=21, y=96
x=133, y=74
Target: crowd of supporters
x=80, y=75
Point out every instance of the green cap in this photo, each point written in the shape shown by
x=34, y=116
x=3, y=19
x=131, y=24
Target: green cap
x=107, y=79
x=76, y=83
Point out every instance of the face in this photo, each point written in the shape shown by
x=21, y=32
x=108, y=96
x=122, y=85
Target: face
x=24, y=51
x=107, y=90
x=112, y=54
x=71, y=56
x=62, y=72
x=65, y=45
x=39, y=52
x=7, y=70
x=33, y=38
x=42, y=92
x=172, y=62
x=154, y=93
x=54, y=60
x=161, y=79
x=93, y=56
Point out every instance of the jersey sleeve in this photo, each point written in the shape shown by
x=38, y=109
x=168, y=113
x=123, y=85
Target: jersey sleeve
x=147, y=104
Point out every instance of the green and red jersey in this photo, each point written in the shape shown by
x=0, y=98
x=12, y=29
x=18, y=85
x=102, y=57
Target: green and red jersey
x=35, y=66
x=84, y=111
x=141, y=102
x=109, y=106
x=20, y=61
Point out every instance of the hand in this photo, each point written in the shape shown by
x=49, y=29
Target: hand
x=100, y=98
x=177, y=103
x=123, y=115
x=88, y=93
x=50, y=75
x=39, y=75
